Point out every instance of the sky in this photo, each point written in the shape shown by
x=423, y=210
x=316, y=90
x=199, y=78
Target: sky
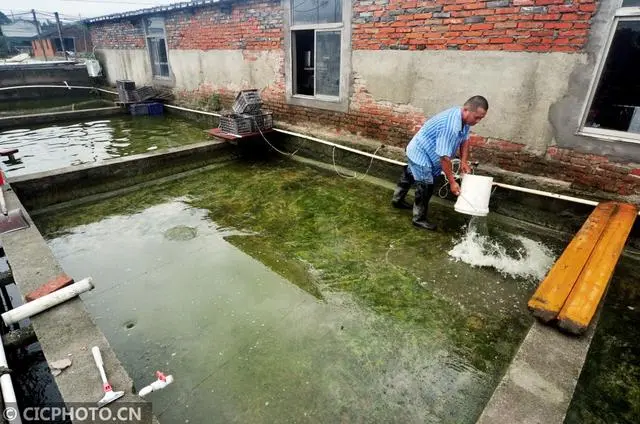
x=76, y=8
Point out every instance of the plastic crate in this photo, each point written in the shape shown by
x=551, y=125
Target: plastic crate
x=261, y=122
x=248, y=102
x=145, y=93
x=140, y=109
x=236, y=124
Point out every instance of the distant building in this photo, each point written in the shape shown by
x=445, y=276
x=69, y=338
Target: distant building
x=76, y=39
x=18, y=35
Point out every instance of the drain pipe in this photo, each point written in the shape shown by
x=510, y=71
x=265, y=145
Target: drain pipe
x=43, y=303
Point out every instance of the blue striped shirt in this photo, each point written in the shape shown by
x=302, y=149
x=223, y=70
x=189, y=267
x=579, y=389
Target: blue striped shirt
x=440, y=136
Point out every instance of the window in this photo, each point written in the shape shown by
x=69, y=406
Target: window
x=612, y=110
x=69, y=44
x=318, y=36
x=157, y=46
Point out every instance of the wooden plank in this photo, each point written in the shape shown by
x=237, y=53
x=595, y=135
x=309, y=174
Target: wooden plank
x=587, y=293
x=553, y=291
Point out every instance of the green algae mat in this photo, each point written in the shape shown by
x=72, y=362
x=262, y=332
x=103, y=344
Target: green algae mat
x=276, y=292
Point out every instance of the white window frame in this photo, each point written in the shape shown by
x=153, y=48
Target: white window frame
x=166, y=46
x=336, y=103
x=622, y=14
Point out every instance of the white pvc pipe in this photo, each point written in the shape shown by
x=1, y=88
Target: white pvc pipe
x=507, y=186
x=47, y=301
x=202, y=112
x=547, y=194
x=69, y=87
x=11, y=412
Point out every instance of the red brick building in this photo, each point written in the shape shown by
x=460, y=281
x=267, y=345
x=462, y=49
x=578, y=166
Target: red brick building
x=76, y=39
x=560, y=75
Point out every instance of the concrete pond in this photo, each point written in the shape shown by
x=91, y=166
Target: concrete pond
x=276, y=291
x=47, y=147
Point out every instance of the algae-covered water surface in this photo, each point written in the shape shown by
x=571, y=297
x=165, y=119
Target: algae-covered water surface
x=50, y=147
x=608, y=390
x=275, y=292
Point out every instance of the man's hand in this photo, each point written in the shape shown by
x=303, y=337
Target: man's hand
x=455, y=188
x=465, y=168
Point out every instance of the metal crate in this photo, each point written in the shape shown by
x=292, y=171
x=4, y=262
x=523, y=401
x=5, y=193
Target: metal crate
x=248, y=101
x=261, y=122
x=236, y=124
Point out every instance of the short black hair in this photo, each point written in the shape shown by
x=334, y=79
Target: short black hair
x=477, y=101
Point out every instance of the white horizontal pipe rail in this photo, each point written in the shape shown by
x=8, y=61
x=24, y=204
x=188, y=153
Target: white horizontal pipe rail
x=339, y=146
x=68, y=87
x=45, y=302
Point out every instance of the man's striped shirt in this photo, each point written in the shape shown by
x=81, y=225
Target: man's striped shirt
x=440, y=136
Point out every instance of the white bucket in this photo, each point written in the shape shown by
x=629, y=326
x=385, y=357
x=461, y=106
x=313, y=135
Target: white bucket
x=475, y=192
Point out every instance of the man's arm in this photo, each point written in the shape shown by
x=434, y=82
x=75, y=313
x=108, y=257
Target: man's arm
x=445, y=163
x=464, y=158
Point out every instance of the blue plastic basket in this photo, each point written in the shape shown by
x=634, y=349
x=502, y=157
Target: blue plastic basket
x=140, y=109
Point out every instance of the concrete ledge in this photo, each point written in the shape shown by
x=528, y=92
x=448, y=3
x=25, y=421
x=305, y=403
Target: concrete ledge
x=67, y=330
x=539, y=383
x=45, y=118
x=47, y=188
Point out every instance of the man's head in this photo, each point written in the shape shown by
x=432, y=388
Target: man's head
x=474, y=110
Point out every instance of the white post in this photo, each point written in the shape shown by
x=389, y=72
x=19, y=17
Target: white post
x=45, y=302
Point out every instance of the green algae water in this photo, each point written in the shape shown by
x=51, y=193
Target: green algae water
x=50, y=147
x=274, y=292
x=608, y=390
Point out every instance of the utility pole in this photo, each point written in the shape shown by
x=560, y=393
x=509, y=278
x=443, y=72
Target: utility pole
x=60, y=35
x=35, y=21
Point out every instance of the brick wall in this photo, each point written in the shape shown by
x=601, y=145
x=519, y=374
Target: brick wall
x=511, y=25
x=123, y=34
x=252, y=25
x=583, y=170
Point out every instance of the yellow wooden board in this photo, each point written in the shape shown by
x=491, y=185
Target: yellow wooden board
x=589, y=289
x=552, y=293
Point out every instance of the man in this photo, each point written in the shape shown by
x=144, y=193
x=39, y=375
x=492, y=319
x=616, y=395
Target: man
x=429, y=154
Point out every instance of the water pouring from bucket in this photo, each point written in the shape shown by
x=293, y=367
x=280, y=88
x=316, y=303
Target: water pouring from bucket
x=475, y=192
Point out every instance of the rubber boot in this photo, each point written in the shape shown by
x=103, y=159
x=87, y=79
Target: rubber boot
x=421, y=206
x=402, y=188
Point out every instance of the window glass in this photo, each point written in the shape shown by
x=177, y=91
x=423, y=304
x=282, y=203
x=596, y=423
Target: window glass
x=155, y=27
x=616, y=103
x=304, y=69
x=316, y=11
x=630, y=3
x=328, y=63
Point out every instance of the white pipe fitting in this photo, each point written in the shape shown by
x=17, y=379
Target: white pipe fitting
x=47, y=301
x=162, y=382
